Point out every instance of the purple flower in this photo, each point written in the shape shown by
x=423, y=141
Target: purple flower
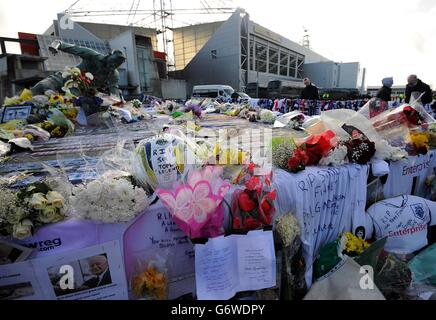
x=196, y=109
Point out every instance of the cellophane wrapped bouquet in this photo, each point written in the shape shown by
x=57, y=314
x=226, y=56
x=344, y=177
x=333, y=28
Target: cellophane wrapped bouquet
x=253, y=207
x=150, y=281
x=195, y=202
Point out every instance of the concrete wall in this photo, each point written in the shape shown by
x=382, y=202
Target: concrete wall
x=349, y=75
x=76, y=31
x=126, y=43
x=109, y=31
x=322, y=74
x=189, y=40
x=334, y=75
x=173, y=89
x=224, y=69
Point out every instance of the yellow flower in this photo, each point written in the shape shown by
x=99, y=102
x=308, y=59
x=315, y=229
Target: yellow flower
x=216, y=150
x=26, y=95
x=180, y=159
x=56, y=132
x=29, y=136
x=56, y=99
x=420, y=139
x=355, y=244
x=151, y=284
x=23, y=229
x=50, y=214
x=38, y=201
x=12, y=125
x=55, y=199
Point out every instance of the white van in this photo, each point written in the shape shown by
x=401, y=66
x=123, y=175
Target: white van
x=213, y=91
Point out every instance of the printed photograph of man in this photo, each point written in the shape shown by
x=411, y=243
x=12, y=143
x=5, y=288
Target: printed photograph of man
x=99, y=267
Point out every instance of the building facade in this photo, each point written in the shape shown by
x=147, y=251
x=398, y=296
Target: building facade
x=239, y=52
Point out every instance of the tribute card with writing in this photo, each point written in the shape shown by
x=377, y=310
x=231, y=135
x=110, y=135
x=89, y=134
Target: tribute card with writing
x=227, y=265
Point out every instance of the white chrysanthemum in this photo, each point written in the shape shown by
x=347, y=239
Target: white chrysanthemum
x=109, y=199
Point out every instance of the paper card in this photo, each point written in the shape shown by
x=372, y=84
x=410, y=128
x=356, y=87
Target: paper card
x=227, y=265
x=154, y=234
x=97, y=273
x=257, y=262
x=18, y=282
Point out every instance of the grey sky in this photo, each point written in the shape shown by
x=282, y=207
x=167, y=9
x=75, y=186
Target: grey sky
x=389, y=37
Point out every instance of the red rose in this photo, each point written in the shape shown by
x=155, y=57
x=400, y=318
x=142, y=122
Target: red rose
x=237, y=223
x=267, y=182
x=272, y=195
x=245, y=203
x=266, y=207
x=251, y=224
x=253, y=183
x=251, y=167
x=268, y=220
x=301, y=155
x=293, y=162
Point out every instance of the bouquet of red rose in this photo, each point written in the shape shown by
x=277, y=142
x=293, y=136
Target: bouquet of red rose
x=311, y=152
x=318, y=146
x=298, y=161
x=360, y=150
x=253, y=207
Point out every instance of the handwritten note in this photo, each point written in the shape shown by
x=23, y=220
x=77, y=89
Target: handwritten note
x=155, y=233
x=163, y=161
x=225, y=266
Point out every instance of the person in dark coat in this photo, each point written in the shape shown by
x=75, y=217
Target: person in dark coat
x=416, y=85
x=99, y=267
x=385, y=92
x=310, y=92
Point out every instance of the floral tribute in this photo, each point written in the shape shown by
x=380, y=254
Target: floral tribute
x=253, y=207
x=111, y=198
x=150, y=284
x=31, y=207
x=79, y=82
x=196, y=205
x=419, y=143
x=352, y=245
x=360, y=150
x=308, y=154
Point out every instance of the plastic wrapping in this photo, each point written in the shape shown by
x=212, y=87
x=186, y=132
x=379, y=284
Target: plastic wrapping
x=423, y=267
x=196, y=203
x=340, y=122
x=253, y=207
x=150, y=280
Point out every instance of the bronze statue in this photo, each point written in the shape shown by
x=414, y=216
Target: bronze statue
x=103, y=68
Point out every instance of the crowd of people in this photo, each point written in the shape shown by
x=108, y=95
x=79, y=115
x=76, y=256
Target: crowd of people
x=311, y=104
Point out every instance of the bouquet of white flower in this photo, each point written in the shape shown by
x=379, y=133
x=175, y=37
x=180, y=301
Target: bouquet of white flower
x=111, y=198
x=33, y=206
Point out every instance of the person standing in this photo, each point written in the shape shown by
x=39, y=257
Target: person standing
x=416, y=85
x=310, y=92
x=385, y=92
